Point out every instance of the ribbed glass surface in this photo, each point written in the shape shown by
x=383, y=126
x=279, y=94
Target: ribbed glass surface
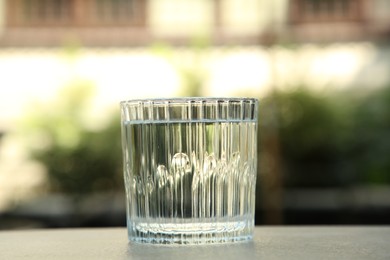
x=190, y=169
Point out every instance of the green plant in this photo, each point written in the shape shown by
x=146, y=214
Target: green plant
x=79, y=159
x=371, y=144
x=312, y=131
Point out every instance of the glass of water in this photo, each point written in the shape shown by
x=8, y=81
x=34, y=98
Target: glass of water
x=190, y=169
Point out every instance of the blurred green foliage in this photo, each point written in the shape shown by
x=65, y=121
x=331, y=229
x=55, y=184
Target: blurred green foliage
x=371, y=144
x=79, y=159
x=336, y=139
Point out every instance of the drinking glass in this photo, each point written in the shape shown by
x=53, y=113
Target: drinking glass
x=190, y=169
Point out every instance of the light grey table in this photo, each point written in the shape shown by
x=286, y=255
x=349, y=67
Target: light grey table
x=309, y=242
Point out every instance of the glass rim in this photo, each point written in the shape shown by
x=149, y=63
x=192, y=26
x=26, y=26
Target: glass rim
x=190, y=109
x=178, y=100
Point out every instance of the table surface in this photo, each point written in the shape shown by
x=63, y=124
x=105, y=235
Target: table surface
x=270, y=242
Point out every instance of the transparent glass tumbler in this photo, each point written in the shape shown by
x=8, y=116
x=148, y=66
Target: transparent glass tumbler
x=190, y=169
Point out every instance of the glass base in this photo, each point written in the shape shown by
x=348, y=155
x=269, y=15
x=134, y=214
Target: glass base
x=162, y=232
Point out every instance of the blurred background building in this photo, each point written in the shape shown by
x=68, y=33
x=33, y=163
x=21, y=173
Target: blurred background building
x=127, y=23
x=320, y=67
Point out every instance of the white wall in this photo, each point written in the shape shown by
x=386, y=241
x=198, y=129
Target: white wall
x=251, y=17
x=180, y=18
x=192, y=17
